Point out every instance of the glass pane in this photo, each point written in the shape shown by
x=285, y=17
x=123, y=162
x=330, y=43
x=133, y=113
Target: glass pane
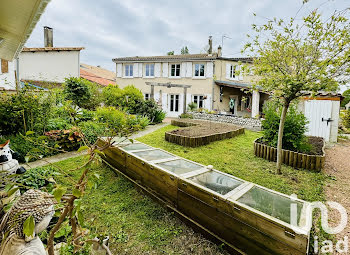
x=136, y=146
x=217, y=182
x=172, y=70
x=202, y=70
x=179, y=166
x=270, y=203
x=153, y=155
x=152, y=70
x=131, y=70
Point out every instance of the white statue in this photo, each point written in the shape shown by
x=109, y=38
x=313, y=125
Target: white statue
x=8, y=160
x=34, y=203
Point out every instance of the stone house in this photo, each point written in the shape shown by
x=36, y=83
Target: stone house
x=210, y=80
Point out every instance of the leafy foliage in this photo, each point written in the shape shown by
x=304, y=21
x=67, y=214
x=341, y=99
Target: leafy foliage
x=67, y=139
x=82, y=92
x=346, y=118
x=151, y=110
x=346, y=95
x=184, y=50
x=37, y=177
x=92, y=130
x=192, y=106
x=294, y=129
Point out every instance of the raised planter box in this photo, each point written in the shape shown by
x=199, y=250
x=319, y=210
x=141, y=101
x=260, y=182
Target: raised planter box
x=199, y=140
x=290, y=158
x=248, y=218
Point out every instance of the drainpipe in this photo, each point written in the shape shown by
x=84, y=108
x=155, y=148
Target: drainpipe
x=213, y=87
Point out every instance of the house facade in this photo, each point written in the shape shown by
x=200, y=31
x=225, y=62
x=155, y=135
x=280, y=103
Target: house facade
x=212, y=82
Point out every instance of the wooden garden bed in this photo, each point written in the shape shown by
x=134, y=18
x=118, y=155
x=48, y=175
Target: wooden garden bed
x=198, y=133
x=290, y=158
x=247, y=217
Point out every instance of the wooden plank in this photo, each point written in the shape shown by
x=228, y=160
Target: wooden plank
x=4, y=66
x=318, y=163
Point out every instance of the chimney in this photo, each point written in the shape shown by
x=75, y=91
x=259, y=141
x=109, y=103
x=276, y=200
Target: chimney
x=48, y=36
x=219, y=51
x=210, y=50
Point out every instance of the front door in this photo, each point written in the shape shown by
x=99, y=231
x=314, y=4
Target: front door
x=319, y=113
x=174, y=104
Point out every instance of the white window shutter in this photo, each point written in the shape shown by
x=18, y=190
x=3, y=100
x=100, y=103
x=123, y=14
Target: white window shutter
x=188, y=69
x=140, y=70
x=210, y=67
x=228, y=67
x=183, y=70
x=157, y=70
x=165, y=69
x=136, y=70
x=119, y=70
x=240, y=77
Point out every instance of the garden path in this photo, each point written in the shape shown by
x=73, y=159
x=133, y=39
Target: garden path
x=337, y=166
x=72, y=154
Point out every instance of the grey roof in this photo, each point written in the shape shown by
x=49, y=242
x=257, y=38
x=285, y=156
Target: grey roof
x=185, y=57
x=236, y=84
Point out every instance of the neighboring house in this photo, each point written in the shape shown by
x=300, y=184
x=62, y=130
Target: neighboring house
x=17, y=21
x=97, y=74
x=38, y=66
x=209, y=80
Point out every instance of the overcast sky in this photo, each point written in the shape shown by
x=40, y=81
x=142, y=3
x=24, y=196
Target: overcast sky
x=118, y=28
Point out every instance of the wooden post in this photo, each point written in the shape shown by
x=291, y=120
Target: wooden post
x=152, y=92
x=185, y=97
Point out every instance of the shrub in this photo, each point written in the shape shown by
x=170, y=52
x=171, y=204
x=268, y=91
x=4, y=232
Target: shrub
x=150, y=109
x=294, y=127
x=346, y=118
x=23, y=111
x=186, y=116
x=36, y=177
x=113, y=119
x=68, y=139
x=58, y=123
x=127, y=98
x=92, y=130
x=192, y=106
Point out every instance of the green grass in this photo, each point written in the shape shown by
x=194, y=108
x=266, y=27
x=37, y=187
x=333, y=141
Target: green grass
x=236, y=156
x=135, y=223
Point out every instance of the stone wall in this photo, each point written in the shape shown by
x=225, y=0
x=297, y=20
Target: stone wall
x=248, y=123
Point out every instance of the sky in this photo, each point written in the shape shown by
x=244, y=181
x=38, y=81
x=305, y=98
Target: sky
x=120, y=28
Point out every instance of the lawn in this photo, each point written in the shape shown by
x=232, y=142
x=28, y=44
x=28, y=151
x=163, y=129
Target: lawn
x=135, y=223
x=236, y=156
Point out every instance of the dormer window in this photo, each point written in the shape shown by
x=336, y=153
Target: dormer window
x=149, y=72
x=175, y=70
x=129, y=70
x=199, y=70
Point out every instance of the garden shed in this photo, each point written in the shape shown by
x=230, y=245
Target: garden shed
x=322, y=111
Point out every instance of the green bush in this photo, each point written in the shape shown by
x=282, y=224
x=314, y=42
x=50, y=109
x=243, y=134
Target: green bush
x=192, y=106
x=150, y=109
x=346, y=118
x=127, y=98
x=92, y=130
x=186, y=116
x=58, y=123
x=33, y=148
x=294, y=127
x=83, y=93
x=36, y=177
x=23, y=111
x=113, y=119
x=67, y=139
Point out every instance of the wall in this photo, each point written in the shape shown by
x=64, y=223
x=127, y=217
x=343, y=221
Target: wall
x=7, y=80
x=220, y=72
x=51, y=66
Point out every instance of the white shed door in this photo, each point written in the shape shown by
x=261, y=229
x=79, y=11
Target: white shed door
x=318, y=112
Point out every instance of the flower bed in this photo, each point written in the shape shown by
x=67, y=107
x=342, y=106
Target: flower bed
x=291, y=158
x=200, y=133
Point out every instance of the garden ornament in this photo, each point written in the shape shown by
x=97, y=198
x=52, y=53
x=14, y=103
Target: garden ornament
x=8, y=160
x=35, y=203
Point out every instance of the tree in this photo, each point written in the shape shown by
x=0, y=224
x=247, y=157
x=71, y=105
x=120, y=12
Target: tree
x=308, y=55
x=170, y=53
x=184, y=50
x=346, y=95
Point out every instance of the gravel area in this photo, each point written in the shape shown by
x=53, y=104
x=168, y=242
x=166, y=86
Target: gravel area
x=337, y=167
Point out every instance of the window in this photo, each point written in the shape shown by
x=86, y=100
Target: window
x=149, y=70
x=233, y=72
x=147, y=96
x=199, y=70
x=198, y=100
x=175, y=70
x=174, y=103
x=129, y=70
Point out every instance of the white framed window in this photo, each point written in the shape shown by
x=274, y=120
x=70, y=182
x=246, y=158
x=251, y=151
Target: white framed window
x=199, y=70
x=233, y=72
x=147, y=96
x=149, y=72
x=175, y=70
x=129, y=70
x=174, y=102
x=198, y=100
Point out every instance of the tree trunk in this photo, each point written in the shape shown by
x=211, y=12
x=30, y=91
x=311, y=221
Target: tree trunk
x=280, y=137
